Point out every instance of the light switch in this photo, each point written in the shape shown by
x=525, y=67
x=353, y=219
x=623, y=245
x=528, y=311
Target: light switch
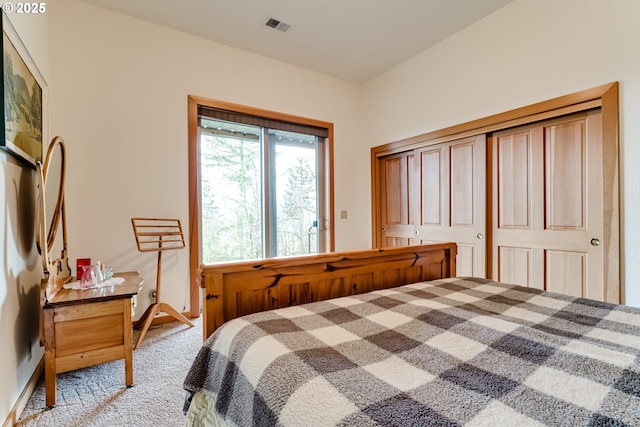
x=343, y=215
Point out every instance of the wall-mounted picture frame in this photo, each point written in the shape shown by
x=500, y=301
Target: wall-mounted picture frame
x=24, y=99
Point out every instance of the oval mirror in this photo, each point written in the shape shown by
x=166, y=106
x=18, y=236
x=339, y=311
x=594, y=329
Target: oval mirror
x=51, y=213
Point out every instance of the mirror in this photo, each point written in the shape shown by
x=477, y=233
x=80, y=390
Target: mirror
x=51, y=217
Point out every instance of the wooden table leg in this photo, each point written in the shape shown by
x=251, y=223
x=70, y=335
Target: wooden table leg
x=49, y=359
x=128, y=339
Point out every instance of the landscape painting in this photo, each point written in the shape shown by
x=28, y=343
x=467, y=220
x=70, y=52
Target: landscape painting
x=22, y=101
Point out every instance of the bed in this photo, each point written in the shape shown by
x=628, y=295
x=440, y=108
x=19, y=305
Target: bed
x=391, y=337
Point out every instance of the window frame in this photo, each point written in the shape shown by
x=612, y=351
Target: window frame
x=327, y=228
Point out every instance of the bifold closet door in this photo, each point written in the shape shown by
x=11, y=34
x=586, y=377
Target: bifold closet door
x=396, y=178
x=450, y=199
x=548, y=205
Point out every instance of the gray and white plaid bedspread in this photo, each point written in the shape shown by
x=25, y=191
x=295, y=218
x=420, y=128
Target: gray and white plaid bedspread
x=461, y=351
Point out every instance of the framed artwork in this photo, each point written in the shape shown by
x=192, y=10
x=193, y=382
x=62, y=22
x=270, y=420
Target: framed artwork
x=24, y=95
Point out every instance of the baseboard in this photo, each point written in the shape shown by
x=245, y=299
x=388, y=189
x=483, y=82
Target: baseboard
x=16, y=411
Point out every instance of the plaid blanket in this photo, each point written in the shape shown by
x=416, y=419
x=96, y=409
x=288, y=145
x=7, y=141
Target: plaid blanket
x=460, y=351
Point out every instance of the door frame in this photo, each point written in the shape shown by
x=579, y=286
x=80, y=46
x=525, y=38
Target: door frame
x=604, y=97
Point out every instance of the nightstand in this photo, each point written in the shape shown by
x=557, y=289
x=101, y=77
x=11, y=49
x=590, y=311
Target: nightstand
x=87, y=327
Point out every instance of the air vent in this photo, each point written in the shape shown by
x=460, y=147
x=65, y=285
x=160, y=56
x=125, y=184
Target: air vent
x=278, y=25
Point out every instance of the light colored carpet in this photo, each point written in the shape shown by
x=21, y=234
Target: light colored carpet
x=97, y=396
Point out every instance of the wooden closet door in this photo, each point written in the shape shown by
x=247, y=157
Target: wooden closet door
x=450, y=199
x=548, y=206
x=396, y=176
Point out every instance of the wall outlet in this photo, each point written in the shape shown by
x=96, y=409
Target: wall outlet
x=152, y=295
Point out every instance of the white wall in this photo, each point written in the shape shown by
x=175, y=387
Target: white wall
x=526, y=52
x=119, y=99
x=19, y=260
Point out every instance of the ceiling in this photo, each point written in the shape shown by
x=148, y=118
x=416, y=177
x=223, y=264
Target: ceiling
x=353, y=40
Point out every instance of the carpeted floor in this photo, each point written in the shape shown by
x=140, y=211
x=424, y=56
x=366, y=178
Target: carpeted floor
x=97, y=396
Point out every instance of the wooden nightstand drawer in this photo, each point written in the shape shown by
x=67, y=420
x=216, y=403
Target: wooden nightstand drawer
x=86, y=311
x=78, y=336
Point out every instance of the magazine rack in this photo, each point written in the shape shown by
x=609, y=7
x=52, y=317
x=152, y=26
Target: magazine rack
x=158, y=235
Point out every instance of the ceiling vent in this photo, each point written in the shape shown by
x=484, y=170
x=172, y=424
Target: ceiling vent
x=274, y=23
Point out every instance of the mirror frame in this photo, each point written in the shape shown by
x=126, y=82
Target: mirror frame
x=56, y=271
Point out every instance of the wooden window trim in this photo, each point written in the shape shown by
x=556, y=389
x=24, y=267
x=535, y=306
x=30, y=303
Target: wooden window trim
x=194, y=214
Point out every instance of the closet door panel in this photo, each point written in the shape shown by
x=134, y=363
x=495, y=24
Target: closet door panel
x=431, y=186
x=395, y=215
x=514, y=180
x=465, y=260
x=432, y=193
x=562, y=190
x=462, y=184
x=566, y=272
x=396, y=191
x=565, y=169
x=515, y=265
x=451, y=189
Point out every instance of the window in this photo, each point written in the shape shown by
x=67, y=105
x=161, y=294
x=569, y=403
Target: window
x=263, y=184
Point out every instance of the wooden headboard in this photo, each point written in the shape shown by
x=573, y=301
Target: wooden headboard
x=238, y=288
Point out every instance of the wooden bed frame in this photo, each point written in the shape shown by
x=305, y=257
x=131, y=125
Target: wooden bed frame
x=235, y=289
